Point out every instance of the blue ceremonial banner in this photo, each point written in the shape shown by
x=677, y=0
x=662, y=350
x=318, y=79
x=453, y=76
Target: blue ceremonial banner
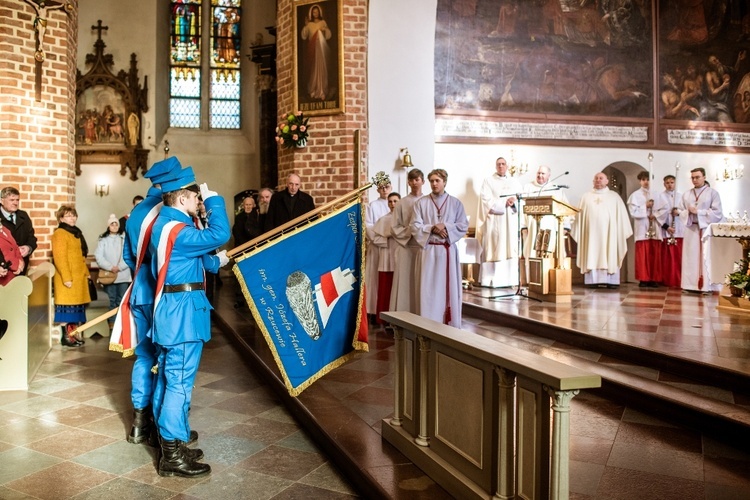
x=306, y=291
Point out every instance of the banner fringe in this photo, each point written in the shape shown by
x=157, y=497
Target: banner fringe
x=358, y=345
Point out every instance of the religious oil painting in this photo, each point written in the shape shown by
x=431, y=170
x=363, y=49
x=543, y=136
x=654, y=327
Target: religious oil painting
x=103, y=119
x=581, y=58
x=318, y=61
x=704, y=68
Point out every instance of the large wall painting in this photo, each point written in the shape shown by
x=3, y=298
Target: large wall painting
x=584, y=71
x=704, y=72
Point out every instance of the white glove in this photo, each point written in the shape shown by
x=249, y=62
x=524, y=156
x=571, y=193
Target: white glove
x=223, y=259
x=205, y=192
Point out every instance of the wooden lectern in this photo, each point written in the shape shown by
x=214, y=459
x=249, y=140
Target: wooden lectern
x=550, y=277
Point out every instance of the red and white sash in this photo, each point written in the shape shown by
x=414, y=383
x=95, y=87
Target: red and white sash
x=163, y=254
x=124, y=333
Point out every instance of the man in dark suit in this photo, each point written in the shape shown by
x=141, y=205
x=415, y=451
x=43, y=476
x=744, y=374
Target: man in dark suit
x=288, y=204
x=246, y=223
x=18, y=222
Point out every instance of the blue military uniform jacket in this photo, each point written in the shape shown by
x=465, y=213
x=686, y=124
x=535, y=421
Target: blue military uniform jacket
x=186, y=316
x=144, y=282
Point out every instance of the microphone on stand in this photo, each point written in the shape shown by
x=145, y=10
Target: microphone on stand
x=553, y=180
x=563, y=186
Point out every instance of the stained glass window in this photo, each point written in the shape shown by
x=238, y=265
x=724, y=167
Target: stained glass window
x=225, y=99
x=224, y=110
x=194, y=53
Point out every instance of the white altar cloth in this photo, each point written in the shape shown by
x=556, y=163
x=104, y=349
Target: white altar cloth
x=721, y=248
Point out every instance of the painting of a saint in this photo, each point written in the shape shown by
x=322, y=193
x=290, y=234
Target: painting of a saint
x=319, y=74
x=316, y=34
x=101, y=117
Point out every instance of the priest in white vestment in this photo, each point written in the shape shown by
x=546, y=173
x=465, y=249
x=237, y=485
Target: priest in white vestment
x=601, y=230
x=529, y=227
x=375, y=210
x=699, y=208
x=439, y=222
x=497, y=228
x=672, y=230
x=405, y=288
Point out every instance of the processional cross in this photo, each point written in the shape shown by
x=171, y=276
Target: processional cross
x=41, y=7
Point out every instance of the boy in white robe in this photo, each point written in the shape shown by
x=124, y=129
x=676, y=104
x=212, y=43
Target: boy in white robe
x=405, y=289
x=672, y=230
x=382, y=238
x=439, y=222
x=375, y=210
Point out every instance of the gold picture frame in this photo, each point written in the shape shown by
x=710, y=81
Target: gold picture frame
x=318, y=57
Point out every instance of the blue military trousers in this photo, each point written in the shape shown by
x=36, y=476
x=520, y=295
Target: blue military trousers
x=142, y=378
x=178, y=366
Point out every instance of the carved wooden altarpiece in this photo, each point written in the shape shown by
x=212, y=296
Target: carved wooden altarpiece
x=109, y=111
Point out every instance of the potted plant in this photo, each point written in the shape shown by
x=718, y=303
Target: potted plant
x=738, y=279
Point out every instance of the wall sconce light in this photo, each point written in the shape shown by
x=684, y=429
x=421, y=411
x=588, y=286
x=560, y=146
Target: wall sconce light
x=406, y=158
x=513, y=169
x=101, y=189
x=730, y=173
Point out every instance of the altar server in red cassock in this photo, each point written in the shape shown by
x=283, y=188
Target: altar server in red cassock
x=672, y=229
x=647, y=234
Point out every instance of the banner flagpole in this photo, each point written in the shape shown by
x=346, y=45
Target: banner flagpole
x=294, y=222
x=252, y=243
x=95, y=321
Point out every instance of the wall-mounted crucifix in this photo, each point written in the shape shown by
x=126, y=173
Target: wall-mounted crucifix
x=42, y=7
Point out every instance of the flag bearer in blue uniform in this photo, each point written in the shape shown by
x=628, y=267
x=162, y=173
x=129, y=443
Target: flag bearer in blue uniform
x=141, y=298
x=181, y=253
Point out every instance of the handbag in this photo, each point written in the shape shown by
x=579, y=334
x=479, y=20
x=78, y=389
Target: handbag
x=106, y=277
x=92, y=290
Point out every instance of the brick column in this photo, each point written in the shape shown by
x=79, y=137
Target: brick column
x=327, y=165
x=37, y=142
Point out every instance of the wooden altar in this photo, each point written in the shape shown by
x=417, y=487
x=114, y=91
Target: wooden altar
x=550, y=276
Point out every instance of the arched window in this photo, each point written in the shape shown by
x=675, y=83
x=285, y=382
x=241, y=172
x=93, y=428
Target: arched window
x=194, y=101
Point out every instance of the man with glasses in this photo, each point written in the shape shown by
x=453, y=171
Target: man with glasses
x=699, y=207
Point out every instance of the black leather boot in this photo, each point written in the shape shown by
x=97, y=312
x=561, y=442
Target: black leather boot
x=143, y=427
x=174, y=461
x=192, y=453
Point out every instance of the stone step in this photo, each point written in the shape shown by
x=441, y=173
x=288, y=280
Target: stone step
x=619, y=365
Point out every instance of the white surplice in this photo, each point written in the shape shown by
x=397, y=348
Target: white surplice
x=405, y=289
x=695, y=253
x=440, y=270
x=663, y=205
x=375, y=211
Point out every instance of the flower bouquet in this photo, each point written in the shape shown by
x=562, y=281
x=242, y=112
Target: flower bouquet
x=738, y=279
x=292, y=132
x=381, y=179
